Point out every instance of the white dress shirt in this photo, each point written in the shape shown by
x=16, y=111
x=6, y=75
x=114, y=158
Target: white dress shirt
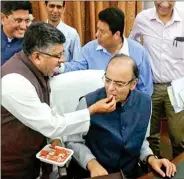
x=167, y=59
x=82, y=153
x=20, y=98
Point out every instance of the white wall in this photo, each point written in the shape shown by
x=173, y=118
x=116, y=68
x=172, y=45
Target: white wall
x=179, y=4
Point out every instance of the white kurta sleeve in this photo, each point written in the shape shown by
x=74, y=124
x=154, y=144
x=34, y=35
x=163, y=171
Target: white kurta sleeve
x=20, y=98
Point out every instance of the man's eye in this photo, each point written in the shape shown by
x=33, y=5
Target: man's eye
x=52, y=6
x=18, y=20
x=119, y=84
x=107, y=80
x=27, y=21
x=59, y=7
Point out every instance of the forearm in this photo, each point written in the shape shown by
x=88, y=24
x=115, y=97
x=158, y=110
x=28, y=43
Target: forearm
x=81, y=153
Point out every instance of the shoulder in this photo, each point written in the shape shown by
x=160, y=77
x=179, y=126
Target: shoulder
x=134, y=43
x=145, y=14
x=17, y=81
x=135, y=47
x=68, y=28
x=92, y=45
x=180, y=13
x=142, y=99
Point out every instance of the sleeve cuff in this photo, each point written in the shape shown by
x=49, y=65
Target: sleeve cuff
x=61, y=69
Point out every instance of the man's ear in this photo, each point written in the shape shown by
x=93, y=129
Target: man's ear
x=35, y=58
x=117, y=35
x=133, y=84
x=3, y=16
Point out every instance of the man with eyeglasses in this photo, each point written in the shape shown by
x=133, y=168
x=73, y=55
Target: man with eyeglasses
x=72, y=46
x=111, y=41
x=26, y=117
x=15, y=19
x=117, y=140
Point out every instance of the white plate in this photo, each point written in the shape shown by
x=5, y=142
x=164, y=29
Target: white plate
x=60, y=164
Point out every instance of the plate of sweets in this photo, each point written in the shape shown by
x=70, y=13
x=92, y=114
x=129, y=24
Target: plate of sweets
x=55, y=155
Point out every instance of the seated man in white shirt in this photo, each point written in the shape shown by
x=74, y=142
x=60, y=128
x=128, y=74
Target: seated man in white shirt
x=117, y=140
x=72, y=46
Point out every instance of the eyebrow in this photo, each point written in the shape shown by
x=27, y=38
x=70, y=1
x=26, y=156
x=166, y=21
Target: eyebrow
x=115, y=80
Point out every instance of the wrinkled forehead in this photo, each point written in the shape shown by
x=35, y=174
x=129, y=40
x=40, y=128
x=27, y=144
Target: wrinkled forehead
x=117, y=73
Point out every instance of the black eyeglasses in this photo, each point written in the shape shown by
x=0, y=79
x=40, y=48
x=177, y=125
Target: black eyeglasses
x=55, y=56
x=19, y=21
x=117, y=84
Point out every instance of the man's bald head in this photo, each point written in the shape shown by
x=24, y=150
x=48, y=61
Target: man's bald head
x=124, y=62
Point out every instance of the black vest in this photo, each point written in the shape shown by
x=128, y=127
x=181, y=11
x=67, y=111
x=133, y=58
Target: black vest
x=116, y=138
x=19, y=143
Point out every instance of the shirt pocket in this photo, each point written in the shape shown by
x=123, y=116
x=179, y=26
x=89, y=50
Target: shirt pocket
x=175, y=49
x=178, y=50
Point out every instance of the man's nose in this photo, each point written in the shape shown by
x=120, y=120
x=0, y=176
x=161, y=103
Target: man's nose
x=111, y=86
x=165, y=4
x=55, y=9
x=24, y=25
x=62, y=60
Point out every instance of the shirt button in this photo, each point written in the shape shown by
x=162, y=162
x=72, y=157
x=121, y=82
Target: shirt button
x=8, y=45
x=123, y=128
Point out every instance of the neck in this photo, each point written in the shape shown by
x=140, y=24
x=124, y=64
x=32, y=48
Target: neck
x=54, y=23
x=165, y=19
x=6, y=33
x=114, y=49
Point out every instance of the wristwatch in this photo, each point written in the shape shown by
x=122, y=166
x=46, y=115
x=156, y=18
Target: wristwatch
x=150, y=156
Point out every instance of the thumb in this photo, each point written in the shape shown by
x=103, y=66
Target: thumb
x=108, y=99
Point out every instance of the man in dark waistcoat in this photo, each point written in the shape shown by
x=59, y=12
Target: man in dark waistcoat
x=118, y=140
x=26, y=117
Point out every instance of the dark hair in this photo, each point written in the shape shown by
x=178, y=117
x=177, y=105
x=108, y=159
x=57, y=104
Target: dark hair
x=46, y=2
x=123, y=57
x=114, y=17
x=7, y=7
x=41, y=35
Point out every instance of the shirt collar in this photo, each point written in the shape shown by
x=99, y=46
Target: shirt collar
x=4, y=36
x=124, y=49
x=60, y=23
x=175, y=16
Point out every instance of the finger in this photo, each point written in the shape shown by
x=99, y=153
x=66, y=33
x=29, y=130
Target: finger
x=168, y=167
x=159, y=171
x=108, y=99
x=173, y=169
x=112, y=103
x=112, y=106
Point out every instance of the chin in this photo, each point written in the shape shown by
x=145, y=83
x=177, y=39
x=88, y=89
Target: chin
x=19, y=36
